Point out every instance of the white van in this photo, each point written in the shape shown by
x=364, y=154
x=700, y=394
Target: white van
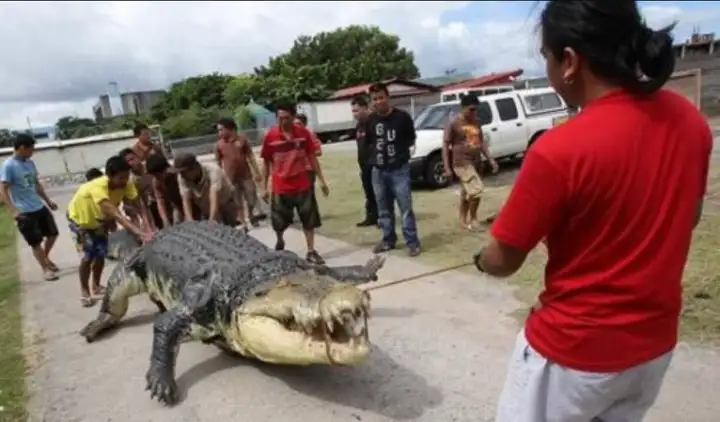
x=511, y=122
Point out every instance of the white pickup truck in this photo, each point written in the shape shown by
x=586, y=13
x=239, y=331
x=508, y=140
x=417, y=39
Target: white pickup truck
x=511, y=122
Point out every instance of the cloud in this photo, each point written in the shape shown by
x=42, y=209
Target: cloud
x=63, y=54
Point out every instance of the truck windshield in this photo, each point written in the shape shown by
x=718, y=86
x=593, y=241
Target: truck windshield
x=436, y=117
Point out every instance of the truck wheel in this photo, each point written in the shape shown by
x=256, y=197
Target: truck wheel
x=435, y=172
x=533, y=139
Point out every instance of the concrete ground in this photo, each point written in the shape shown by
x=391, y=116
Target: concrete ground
x=441, y=349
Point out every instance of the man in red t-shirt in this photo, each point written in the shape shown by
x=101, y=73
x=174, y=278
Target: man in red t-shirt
x=615, y=193
x=286, y=150
x=301, y=119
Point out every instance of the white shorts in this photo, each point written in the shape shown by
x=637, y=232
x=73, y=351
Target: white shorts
x=537, y=390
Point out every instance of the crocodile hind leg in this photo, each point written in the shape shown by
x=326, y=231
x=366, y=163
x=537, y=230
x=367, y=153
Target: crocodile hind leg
x=123, y=284
x=354, y=274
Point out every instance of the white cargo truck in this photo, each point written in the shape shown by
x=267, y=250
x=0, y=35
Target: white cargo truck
x=332, y=120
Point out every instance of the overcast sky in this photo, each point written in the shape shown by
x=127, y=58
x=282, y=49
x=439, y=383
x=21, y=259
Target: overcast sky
x=57, y=57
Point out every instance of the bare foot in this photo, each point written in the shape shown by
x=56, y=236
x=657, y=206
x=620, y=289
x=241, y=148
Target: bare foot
x=52, y=266
x=98, y=290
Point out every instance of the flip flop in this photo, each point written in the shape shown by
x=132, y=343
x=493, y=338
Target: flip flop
x=472, y=228
x=50, y=276
x=53, y=267
x=87, y=302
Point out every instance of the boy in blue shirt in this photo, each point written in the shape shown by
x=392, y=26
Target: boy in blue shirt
x=29, y=204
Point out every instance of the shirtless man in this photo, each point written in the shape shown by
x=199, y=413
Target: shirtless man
x=464, y=134
x=234, y=155
x=143, y=182
x=205, y=185
x=144, y=145
x=166, y=191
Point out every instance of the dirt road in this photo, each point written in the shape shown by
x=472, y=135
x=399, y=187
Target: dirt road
x=442, y=345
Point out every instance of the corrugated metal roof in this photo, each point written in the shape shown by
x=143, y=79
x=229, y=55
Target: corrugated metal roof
x=443, y=79
x=363, y=88
x=492, y=78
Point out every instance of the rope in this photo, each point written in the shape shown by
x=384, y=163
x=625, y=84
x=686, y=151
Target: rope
x=419, y=276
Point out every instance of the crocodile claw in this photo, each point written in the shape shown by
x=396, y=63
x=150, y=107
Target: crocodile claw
x=162, y=387
x=374, y=265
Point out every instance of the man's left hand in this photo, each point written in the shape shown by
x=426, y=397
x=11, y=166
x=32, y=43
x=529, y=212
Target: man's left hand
x=494, y=166
x=325, y=189
x=53, y=206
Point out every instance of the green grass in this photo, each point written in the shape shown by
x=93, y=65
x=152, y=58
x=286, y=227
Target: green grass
x=13, y=394
x=445, y=244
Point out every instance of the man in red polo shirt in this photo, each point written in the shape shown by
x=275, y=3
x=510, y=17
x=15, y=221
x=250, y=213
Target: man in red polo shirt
x=615, y=193
x=286, y=150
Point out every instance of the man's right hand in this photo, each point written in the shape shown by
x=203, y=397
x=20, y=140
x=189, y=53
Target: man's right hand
x=448, y=172
x=17, y=215
x=147, y=236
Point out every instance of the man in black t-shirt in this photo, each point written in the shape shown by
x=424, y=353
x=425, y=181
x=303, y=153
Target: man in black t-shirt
x=360, y=111
x=390, y=133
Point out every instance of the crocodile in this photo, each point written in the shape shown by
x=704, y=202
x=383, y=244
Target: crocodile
x=121, y=243
x=215, y=284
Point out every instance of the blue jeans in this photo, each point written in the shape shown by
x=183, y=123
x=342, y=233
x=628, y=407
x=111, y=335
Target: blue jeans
x=392, y=186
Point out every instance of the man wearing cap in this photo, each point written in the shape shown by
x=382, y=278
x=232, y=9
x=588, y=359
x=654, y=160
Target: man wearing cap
x=206, y=186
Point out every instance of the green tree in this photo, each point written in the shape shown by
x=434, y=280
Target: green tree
x=244, y=88
x=205, y=91
x=123, y=122
x=69, y=127
x=343, y=57
x=244, y=118
x=6, y=138
x=194, y=121
x=317, y=65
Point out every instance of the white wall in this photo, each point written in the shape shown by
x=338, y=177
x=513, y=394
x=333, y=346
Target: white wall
x=74, y=155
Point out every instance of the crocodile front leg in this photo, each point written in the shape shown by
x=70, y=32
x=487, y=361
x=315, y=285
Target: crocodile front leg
x=354, y=274
x=170, y=330
x=124, y=282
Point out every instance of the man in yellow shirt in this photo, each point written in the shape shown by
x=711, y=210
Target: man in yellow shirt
x=92, y=211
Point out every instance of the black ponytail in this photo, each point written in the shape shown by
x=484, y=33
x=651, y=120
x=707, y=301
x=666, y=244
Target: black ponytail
x=655, y=58
x=614, y=40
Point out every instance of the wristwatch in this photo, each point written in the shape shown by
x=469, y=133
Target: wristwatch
x=477, y=261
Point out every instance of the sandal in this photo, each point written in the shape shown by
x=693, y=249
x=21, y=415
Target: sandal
x=52, y=267
x=87, y=302
x=50, y=275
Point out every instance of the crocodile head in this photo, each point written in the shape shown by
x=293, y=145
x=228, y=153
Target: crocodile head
x=304, y=319
x=121, y=243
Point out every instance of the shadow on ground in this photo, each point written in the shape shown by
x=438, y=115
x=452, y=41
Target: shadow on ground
x=382, y=386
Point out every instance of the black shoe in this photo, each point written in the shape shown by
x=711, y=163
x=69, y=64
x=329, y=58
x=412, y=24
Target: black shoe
x=367, y=223
x=314, y=258
x=280, y=245
x=383, y=247
x=414, y=251
x=255, y=221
